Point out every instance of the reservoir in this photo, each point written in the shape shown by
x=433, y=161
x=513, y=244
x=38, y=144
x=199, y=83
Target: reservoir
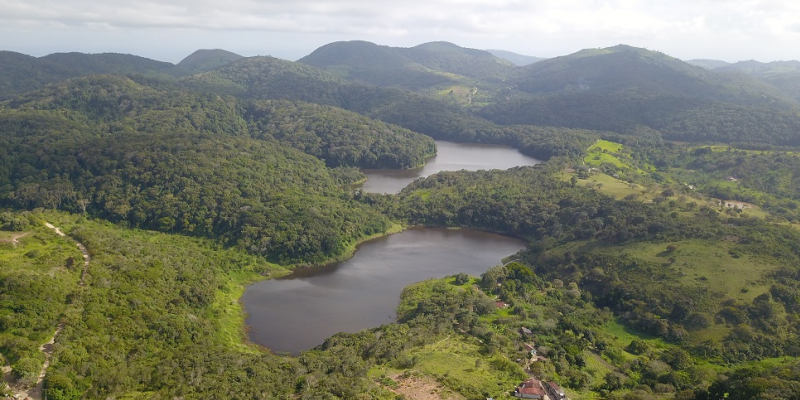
x=450, y=157
x=299, y=311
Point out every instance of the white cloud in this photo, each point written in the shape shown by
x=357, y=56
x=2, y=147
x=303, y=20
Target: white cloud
x=767, y=28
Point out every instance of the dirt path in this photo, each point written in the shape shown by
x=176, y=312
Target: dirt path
x=15, y=239
x=86, y=257
x=35, y=393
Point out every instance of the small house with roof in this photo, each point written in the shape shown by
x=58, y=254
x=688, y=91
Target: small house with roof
x=529, y=348
x=530, y=389
x=555, y=392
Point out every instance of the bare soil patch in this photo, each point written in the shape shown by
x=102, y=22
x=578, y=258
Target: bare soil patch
x=14, y=238
x=422, y=388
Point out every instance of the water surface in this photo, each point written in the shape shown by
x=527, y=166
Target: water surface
x=450, y=157
x=300, y=311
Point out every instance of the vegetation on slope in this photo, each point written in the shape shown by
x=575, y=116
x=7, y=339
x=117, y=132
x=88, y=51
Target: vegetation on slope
x=629, y=90
x=656, y=294
x=267, y=78
x=199, y=164
x=206, y=60
x=419, y=68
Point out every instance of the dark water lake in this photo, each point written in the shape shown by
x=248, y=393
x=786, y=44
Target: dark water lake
x=299, y=311
x=450, y=157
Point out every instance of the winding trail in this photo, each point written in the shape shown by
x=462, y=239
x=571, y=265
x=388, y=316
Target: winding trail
x=35, y=393
x=15, y=239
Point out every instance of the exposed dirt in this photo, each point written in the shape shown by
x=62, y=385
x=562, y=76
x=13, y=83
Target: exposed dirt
x=14, y=240
x=735, y=204
x=35, y=392
x=422, y=388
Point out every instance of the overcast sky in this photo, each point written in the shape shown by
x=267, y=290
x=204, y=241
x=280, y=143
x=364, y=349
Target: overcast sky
x=168, y=30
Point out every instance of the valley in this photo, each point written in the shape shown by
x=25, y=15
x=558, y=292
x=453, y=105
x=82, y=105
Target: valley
x=653, y=205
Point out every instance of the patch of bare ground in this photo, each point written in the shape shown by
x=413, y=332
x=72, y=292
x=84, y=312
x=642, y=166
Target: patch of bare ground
x=35, y=392
x=14, y=240
x=414, y=387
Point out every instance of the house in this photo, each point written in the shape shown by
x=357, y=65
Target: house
x=555, y=392
x=500, y=304
x=529, y=348
x=732, y=179
x=530, y=389
x=525, y=331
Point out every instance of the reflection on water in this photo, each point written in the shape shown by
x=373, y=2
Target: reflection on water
x=450, y=157
x=300, y=311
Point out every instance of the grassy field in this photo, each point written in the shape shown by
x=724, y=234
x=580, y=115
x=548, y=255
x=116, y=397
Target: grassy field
x=705, y=264
x=37, y=250
x=621, y=336
x=605, y=152
x=456, y=363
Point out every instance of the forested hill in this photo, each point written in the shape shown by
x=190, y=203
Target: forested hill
x=517, y=59
x=630, y=90
x=707, y=63
x=272, y=78
x=429, y=65
x=449, y=57
x=785, y=75
x=369, y=63
x=20, y=73
x=199, y=164
x=639, y=72
x=206, y=60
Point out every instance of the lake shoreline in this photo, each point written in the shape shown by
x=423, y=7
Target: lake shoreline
x=363, y=292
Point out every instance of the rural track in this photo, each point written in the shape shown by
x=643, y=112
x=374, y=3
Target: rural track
x=36, y=393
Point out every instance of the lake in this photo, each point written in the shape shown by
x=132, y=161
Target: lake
x=299, y=311
x=450, y=157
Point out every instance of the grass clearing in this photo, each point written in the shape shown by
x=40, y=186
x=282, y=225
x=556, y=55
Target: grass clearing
x=604, y=151
x=606, y=145
x=622, y=336
x=706, y=264
x=460, y=366
x=37, y=250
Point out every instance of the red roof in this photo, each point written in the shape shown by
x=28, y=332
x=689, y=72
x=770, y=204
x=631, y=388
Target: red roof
x=533, y=382
x=531, y=386
x=538, y=391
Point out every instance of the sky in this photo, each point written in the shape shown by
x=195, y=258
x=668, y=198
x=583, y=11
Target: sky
x=169, y=30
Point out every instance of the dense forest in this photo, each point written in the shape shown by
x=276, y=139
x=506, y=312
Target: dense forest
x=661, y=231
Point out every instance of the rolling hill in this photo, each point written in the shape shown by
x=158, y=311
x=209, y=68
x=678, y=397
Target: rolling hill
x=784, y=75
x=199, y=164
x=272, y=78
x=206, y=60
x=423, y=67
x=517, y=59
x=625, y=89
x=707, y=63
x=20, y=73
x=634, y=71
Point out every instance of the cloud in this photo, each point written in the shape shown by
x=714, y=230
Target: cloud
x=570, y=24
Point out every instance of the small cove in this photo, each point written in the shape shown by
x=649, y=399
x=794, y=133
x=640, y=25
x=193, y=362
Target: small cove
x=450, y=157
